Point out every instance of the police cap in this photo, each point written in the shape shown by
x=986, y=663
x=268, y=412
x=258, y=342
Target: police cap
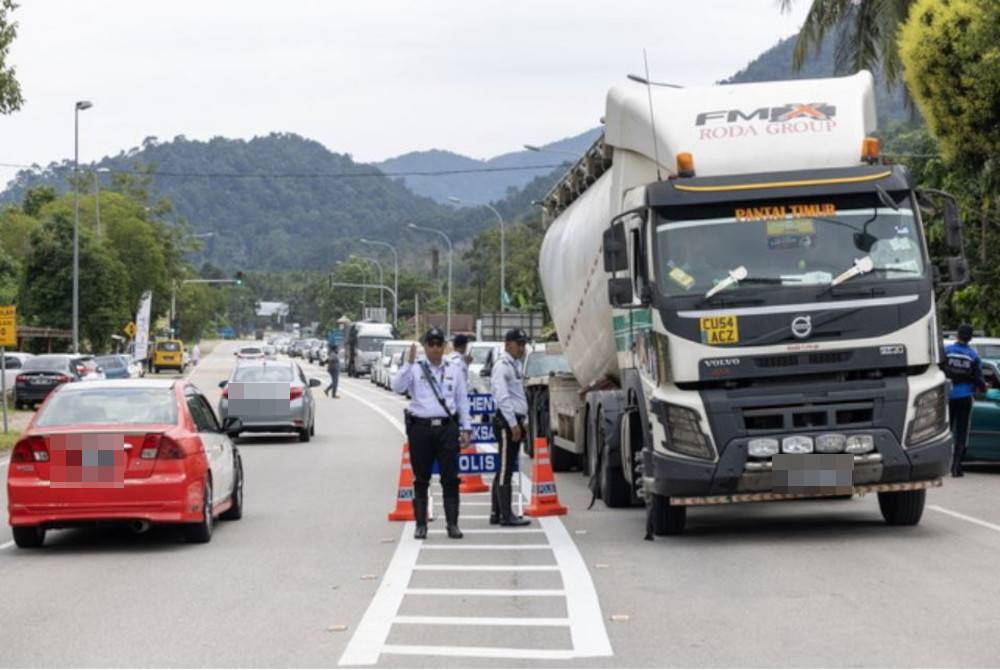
x=516, y=335
x=965, y=332
x=434, y=334
x=460, y=340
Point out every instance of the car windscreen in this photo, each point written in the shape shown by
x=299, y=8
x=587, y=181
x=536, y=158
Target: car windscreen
x=264, y=373
x=128, y=406
x=47, y=363
x=111, y=362
x=987, y=350
x=250, y=351
x=480, y=354
x=168, y=346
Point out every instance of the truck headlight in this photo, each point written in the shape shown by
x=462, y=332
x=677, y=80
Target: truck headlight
x=860, y=444
x=797, y=444
x=830, y=443
x=683, y=430
x=930, y=417
x=763, y=447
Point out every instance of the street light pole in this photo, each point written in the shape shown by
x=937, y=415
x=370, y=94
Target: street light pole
x=381, y=277
x=395, y=280
x=80, y=105
x=451, y=253
x=503, y=251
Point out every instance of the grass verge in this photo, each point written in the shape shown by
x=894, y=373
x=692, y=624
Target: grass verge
x=7, y=440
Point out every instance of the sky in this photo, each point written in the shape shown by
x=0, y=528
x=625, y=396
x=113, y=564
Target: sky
x=372, y=78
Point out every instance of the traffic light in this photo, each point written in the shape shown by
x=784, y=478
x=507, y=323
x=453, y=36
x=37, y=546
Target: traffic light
x=239, y=278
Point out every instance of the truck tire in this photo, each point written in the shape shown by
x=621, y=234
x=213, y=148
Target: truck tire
x=562, y=460
x=902, y=508
x=615, y=489
x=667, y=519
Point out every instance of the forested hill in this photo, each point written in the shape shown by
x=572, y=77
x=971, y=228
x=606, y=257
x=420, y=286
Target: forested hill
x=776, y=64
x=298, y=205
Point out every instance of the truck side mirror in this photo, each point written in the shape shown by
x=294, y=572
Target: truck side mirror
x=620, y=292
x=958, y=270
x=615, y=248
x=952, y=225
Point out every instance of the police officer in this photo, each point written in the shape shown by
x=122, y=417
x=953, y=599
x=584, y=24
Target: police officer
x=508, y=423
x=459, y=355
x=964, y=368
x=438, y=413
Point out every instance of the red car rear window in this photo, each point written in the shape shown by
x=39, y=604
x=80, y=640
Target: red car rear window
x=128, y=406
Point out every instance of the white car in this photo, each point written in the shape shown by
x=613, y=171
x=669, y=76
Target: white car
x=400, y=350
x=251, y=352
x=482, y=353
x=13, y=362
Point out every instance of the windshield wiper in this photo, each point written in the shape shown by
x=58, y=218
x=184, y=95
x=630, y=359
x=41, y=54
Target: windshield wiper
x=862, y=266
x=736, y=275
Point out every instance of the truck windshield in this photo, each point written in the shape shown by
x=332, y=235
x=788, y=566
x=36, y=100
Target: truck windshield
x=779, y=246
x=371, y=343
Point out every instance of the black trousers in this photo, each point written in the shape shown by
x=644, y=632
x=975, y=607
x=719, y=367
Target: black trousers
x=960, y=410
x=430, y=443
x=334, y=378
x=507, y=449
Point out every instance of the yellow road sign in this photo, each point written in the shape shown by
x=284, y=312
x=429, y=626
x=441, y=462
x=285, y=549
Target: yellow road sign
x=8, y=326
x=129, y=329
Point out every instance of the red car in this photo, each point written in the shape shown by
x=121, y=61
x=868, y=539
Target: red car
x=132, y=451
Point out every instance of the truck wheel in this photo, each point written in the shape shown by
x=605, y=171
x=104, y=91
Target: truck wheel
x=902, y=508
x=667, y=519
x=614, y=489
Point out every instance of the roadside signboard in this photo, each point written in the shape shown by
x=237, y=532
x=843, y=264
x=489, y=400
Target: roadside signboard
x=8, y=326
x=142, y=326
x=129, y=329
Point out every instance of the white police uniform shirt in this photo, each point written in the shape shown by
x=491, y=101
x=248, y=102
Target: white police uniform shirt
x=424, y=403
x=458, y=359
x=507, y=388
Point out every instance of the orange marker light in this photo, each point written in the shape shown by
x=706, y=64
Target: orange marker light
x=685, y=164
x=870, y=150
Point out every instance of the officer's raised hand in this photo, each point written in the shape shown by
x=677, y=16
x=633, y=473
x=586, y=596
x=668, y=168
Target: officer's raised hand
x=412, y=357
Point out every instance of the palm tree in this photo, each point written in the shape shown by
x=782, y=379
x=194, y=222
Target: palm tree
x=865, y=33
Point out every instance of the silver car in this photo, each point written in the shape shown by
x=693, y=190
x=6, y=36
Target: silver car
x=270, y=397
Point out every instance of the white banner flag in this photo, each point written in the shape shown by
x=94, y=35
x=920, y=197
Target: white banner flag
x=142, y=326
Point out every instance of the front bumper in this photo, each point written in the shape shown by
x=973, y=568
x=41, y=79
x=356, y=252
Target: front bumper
x=159, y=498
x=735, y=473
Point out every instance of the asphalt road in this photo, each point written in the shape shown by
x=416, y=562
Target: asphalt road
x=314, y=575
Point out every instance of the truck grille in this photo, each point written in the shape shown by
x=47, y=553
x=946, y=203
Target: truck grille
x=807, y=417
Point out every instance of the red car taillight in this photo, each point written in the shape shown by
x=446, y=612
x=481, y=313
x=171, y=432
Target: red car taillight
x=64, y=379
x=295, y=392
x=225, y=391
x=156, y=445
x=30, y=450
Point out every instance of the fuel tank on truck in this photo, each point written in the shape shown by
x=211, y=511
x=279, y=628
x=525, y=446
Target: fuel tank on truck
x=571, y=268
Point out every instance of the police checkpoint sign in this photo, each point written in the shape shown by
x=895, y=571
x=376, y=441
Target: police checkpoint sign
x=481, y=404
x=477, y=464
x=482, y=433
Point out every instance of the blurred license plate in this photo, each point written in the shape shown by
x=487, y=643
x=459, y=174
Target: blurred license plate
x=813, y=473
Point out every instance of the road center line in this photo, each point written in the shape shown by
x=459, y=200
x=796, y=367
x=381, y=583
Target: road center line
x=964, y=517
x=7, y=545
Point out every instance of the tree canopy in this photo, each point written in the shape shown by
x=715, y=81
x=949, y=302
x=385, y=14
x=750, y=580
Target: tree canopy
x=10, y=90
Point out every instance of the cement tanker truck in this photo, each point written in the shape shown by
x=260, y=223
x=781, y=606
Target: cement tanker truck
x=743, y=290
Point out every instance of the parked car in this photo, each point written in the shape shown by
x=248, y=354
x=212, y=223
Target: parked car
x=13, y=363
x=41, y=375
x=984, y=429
x=270, y=352
x=482, y=364
x=115, y=366
x=70, y=468
x=270, y=397
x=88, y=367
x=168, y=354
x=386, y=366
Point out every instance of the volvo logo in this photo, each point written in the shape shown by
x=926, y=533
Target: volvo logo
x=802, y=327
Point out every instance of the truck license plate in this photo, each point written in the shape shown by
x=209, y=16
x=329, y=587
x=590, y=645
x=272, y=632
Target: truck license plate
x=813, y=473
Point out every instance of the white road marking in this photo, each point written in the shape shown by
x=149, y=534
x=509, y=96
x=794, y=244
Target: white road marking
x=492, y=531
x=484, y=547
x=366, y=644
x=486, y=568
x=590, y=638
x=372, y=406
x=480, y=621
x=964, y=517
x=7, y=545
x=514, y=593
x=480, y=652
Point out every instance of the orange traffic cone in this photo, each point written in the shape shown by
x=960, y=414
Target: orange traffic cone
x=544, y=499
x=404, y=494
x=472, y=483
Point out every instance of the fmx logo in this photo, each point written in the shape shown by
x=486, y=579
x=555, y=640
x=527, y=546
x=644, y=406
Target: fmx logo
x=813, y=111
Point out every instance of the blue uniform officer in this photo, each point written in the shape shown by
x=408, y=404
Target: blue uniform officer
x=437, y=420
x=964, y=368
